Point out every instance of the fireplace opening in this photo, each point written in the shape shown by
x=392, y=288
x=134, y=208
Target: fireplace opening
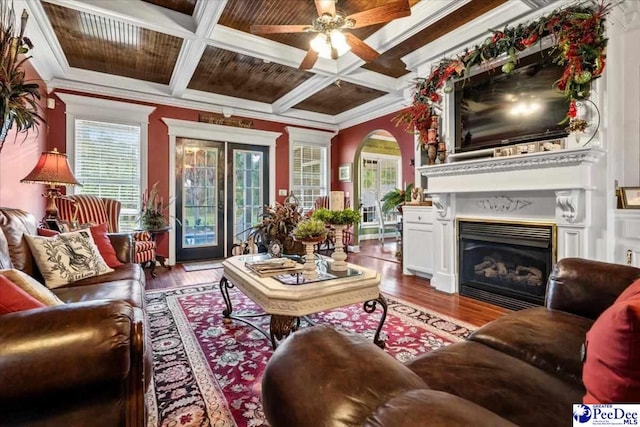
x=505, y=263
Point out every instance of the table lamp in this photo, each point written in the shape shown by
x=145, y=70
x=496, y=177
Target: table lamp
x=53, y=170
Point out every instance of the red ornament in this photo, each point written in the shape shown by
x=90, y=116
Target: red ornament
x=573, y=110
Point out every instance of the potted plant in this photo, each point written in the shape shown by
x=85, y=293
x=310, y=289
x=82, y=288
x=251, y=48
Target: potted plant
x=396, y=198
x=343, y=217
x=154, y=210
x=310, y=231
x=339, y=221
x=277, y=222
x=18, y=98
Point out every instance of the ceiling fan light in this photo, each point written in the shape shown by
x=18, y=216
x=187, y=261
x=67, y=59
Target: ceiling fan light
x=320, y=44
x=339, y=41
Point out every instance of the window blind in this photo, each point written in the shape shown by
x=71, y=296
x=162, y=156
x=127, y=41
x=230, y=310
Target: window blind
x=309, y=173
x=107, y=163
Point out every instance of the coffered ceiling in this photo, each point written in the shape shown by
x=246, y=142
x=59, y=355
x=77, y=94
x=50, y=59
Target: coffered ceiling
x=201, y=54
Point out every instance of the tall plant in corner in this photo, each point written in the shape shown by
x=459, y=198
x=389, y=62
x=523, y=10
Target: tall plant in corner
x=18, y=98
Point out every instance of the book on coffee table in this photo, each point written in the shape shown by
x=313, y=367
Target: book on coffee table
x=274, y=266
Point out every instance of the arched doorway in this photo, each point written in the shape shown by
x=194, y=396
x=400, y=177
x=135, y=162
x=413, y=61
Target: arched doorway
x=377, y=170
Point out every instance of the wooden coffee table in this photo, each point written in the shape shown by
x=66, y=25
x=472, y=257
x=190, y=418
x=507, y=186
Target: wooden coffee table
x=287, y=303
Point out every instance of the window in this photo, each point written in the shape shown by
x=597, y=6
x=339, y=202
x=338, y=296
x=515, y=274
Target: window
x=380, y=174
x=106, y=147
x=107, y=163
x=309, y=164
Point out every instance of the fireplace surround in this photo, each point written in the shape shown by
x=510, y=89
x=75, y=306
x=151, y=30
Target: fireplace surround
x=505, y=262
x=566, y=188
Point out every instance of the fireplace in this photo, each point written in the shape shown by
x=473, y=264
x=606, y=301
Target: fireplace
x=505, y=263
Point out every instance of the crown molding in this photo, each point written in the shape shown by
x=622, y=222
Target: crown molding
x=309, y=119
x=49, y=59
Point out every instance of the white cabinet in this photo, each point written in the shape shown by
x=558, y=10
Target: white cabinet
x=417, y=240
x=627, y=237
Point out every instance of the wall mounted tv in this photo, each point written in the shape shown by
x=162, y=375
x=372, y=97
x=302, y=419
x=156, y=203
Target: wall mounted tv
x=494, y=108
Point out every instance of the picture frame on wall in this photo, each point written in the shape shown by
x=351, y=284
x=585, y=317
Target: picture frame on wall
x=630, y=197
x=344, y=172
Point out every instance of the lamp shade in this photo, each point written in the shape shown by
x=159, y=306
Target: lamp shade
x=53, y=169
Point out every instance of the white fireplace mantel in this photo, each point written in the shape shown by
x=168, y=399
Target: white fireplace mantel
x=561, y=187
x=553, y=170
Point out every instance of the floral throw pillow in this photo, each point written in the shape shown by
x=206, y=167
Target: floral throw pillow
x=67, y=257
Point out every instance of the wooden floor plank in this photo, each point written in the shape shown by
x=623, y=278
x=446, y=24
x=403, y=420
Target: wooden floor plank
x=377, y=257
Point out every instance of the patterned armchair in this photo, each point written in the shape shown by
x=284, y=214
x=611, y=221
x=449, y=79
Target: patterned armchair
x=85, y=209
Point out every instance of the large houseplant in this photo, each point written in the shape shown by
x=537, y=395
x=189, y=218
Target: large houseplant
x=396, y=198
x=276, y=223
x=18, y=98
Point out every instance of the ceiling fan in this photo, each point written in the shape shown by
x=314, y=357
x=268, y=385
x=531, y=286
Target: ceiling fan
x=332, y=40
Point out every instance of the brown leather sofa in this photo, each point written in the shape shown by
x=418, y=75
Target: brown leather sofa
x=84, y=363
x=524, y=368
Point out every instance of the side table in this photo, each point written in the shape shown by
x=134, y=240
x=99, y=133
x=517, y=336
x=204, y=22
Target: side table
x=161, y=259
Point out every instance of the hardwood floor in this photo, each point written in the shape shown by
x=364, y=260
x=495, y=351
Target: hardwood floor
x=377, y=257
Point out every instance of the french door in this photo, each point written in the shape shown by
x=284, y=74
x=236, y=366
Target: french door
x=220, y=191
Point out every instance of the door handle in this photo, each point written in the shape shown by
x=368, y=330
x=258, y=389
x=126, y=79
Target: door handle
x=220, y=200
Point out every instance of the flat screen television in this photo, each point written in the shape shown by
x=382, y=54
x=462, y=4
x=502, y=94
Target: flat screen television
x=493, y=108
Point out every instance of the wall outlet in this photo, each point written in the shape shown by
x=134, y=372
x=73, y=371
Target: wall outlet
x=282, y=192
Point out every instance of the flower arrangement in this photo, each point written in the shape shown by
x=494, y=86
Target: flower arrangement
x=18, y=99
x=578, y=31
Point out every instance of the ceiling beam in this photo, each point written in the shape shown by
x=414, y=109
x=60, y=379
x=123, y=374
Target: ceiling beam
x=138, y=13
x=51, y=62
x=206, y=15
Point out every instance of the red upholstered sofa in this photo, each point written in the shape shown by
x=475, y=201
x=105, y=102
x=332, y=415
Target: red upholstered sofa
x=84, y=363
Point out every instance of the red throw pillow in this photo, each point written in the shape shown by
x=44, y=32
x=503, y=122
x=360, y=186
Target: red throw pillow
x=632, y=291
x=99, y=234
x=611, y=371
x=13, y=298
x=45, y=232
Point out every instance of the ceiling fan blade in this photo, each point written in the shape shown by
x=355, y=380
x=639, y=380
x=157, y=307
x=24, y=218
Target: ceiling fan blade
x=378, y=15
x=309, y=60
x=272, y=29
x=326, y=6
x=360, y=48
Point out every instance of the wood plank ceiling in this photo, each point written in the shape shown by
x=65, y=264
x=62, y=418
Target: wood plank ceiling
x=104, y=43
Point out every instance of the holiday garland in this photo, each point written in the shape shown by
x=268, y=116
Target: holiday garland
x=578, y=32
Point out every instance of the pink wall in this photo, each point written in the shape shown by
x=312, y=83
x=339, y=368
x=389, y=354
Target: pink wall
x=345, y=145
x=19, y=156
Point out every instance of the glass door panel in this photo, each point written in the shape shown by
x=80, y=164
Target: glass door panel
x=200, y=201
x=248, y=189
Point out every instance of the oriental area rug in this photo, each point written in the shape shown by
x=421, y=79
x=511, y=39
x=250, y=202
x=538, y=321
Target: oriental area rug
x=208, y=373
